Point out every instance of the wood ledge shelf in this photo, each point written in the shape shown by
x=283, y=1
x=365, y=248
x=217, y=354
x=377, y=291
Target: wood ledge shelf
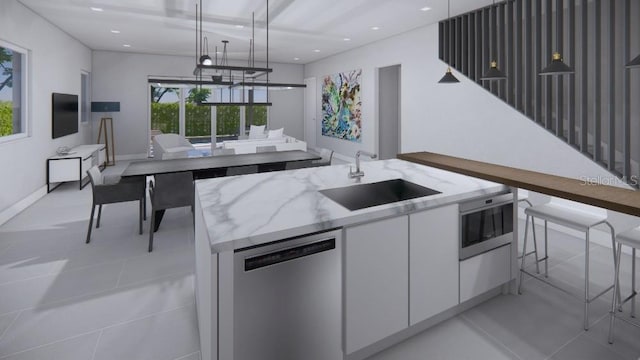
x=605, y=196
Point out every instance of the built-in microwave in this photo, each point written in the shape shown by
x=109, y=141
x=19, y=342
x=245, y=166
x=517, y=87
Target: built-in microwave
x=485, y=224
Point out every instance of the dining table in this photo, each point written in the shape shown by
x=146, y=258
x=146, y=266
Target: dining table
x=214, y=166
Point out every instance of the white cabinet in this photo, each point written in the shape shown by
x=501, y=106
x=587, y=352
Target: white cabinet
x=376, y=281
x=74, y=165
x=433, y=262
x=484, y=272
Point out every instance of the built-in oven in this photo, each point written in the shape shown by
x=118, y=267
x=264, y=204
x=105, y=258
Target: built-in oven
x=485, y=224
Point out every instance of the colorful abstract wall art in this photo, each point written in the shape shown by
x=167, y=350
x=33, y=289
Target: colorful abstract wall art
x=341, y=106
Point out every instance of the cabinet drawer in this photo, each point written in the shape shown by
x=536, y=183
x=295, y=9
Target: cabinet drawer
x=484, y=272
x=63, y=170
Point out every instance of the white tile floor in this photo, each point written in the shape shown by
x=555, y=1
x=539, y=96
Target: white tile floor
x=110, y=299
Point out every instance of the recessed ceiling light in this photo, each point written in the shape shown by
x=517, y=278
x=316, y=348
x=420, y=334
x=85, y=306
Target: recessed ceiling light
x=115, y=31
x=375, y=28
x=296, y=58
x=240, y=26
x=96, y=9
x=346, y=39
x=426, y=8
x=316, y=50
x=127, y=45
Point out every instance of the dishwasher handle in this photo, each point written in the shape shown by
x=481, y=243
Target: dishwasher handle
x=276, y=257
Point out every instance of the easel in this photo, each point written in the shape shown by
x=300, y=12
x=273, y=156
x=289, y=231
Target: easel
x=111, y=153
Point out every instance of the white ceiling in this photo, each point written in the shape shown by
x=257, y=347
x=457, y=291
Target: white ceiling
x=296, y=27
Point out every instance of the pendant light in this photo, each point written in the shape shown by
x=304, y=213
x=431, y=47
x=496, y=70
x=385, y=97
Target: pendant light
x=448, y=77
x=634, y=63
x=205, y=59
x=557, y=66
x=493, y=73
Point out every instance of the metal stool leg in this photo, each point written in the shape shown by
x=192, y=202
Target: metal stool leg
x=535, y=245
x=633, y=281
x=616, y=287
x=524, y=254
x=546, y=251
x=586, y=282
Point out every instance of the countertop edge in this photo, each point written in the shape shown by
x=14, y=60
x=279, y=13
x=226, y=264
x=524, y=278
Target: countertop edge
x=360, y=217
x=605, y=196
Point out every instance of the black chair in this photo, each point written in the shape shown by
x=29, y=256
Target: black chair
x=327, y=156
x=242, y=170
x=169, y=191
x=292, y=165
x=127, y=189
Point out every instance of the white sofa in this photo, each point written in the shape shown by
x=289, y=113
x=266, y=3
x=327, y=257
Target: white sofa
x=171, y=146
x=248, y=146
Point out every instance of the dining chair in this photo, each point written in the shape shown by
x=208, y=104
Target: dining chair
x=169, y=191
x=223, y=151
x=292, y=165
x=326, y=155
x=242, y=170
x=122, y=190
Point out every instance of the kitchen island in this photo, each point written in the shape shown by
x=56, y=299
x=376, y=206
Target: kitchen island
x=402, y=289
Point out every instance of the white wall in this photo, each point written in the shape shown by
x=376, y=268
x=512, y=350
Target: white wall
x=460, y=120
x=55, y=64
x=120, y=76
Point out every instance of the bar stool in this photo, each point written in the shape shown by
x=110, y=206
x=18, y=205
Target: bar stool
x=535, y=241
x=630, y=238
x=573, y=219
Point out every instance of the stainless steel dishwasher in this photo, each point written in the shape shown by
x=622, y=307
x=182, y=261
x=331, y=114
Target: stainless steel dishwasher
x=287, y=299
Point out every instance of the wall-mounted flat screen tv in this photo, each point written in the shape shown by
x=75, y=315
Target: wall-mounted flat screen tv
x=64, y=114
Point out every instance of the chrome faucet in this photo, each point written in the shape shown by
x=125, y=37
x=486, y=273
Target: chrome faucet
x=359, y=173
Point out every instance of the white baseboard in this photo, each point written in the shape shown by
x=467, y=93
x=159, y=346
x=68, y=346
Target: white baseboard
x=132, y=157
x=18, y=207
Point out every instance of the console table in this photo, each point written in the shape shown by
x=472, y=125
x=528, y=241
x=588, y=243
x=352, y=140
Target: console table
x=74, y=166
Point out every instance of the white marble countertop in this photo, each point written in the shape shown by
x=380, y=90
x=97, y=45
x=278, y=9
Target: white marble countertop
x=248, y=210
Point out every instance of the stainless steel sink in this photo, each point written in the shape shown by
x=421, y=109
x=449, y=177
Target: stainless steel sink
x=384, y=192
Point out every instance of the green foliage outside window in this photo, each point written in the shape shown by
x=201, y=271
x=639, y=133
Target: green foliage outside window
x=227, y=120
x=165, y=117
x=6, y=118
x=259, y=115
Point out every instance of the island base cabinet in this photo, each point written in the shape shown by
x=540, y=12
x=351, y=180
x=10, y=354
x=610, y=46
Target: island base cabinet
x=376, y=281
x=433, y=262
x=484, y=272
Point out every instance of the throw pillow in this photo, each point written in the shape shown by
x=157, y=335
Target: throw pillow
x=256, y=132
x=276, y=134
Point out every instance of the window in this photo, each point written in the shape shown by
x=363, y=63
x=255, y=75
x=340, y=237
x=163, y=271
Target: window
x=85, y=90
x=174, y=109
x=12, y=91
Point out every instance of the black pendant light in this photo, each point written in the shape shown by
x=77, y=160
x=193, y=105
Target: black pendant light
x=205, y=59
x=448, y=77
x=634, y=63
x=557, y=66
x=493, y=73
